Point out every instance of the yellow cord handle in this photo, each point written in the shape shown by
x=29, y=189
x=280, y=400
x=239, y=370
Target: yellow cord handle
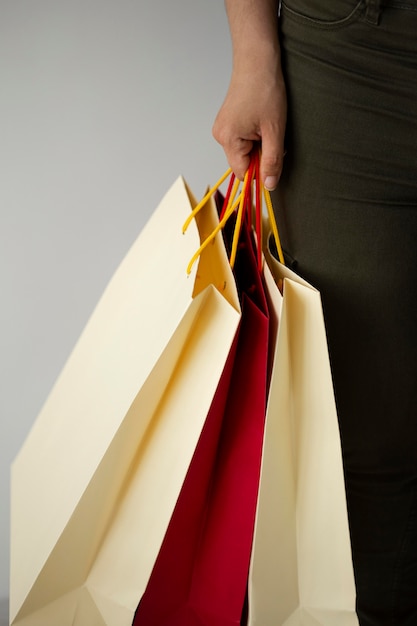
x=235, y=241
x=274, y=226
x=210, y=238
x=202, y=202
x=234, y=204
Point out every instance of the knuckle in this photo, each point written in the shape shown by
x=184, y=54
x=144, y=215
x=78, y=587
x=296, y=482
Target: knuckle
x=272, y=163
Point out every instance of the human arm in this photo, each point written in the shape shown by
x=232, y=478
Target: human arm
x=255, y=106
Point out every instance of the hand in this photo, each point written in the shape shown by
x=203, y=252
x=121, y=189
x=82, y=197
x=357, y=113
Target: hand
x=254, y=110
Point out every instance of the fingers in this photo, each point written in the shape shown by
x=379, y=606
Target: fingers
x=236, y=148
x=239, y=128
x=238, y=152
x=238, y=156
x=272, y=158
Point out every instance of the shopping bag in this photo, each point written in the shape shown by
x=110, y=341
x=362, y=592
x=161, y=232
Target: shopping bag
x=200, y=575
x=95, y=483
x=301, y=568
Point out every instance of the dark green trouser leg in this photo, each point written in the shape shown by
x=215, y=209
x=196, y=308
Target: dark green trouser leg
x=347, y=210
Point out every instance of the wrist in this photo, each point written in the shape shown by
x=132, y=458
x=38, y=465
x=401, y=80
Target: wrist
x=262, y=56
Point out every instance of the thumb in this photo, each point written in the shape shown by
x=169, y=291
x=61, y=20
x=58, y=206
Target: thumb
x=272, y=158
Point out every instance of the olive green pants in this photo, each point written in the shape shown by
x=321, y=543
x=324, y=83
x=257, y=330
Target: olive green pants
x=347, y=211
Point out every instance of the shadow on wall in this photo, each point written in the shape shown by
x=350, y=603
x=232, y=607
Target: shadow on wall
x=4, y=612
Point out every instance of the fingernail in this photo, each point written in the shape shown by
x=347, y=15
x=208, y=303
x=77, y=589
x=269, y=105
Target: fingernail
x=270, y=182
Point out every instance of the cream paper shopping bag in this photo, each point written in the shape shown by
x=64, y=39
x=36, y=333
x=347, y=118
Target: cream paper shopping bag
x=301, y=569
x=95, y=483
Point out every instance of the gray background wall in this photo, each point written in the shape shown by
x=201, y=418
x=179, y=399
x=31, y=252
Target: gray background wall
x=103, y=103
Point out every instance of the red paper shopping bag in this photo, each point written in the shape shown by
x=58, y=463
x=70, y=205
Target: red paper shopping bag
x=200, y=575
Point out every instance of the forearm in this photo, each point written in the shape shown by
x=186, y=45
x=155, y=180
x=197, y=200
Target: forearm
x=254, y=110
x=254, y=33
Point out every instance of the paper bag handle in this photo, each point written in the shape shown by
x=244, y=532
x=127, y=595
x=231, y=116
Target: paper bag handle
x=241, y=204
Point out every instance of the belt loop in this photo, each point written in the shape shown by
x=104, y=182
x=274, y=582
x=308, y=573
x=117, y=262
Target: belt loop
x=373, y=10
